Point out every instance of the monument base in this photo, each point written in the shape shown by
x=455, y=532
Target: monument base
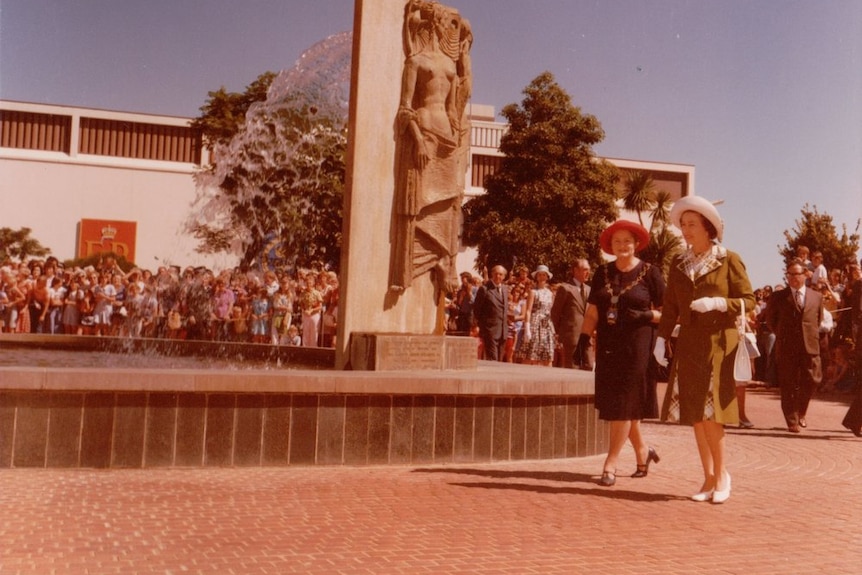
x=414, y=352
x=114, y=418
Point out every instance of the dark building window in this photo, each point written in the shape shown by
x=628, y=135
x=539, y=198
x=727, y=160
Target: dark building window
x=139, y=140
x=483, y=166
x=33, y=131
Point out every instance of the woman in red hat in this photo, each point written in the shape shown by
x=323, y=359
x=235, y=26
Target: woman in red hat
x=624, y=307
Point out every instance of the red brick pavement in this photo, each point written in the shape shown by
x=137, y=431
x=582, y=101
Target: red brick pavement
x=796, y=508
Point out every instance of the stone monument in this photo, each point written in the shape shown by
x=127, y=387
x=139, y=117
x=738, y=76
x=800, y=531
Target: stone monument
x=407, y=159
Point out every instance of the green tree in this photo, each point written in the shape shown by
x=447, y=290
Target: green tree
x=223, y=114
x=664, y=244
x=276, y=181
x=19, y=245
x=817, y=231
x=638, y=195
x=96, y=260
x=660, y=211
x=552, y=196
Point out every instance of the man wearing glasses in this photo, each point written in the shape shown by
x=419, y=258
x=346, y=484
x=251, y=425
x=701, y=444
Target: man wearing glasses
x=794, y=315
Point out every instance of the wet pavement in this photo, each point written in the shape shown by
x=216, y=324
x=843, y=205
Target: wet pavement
x=796, y=507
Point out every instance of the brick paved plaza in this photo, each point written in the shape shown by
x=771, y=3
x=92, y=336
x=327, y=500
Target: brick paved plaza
x=796, y=508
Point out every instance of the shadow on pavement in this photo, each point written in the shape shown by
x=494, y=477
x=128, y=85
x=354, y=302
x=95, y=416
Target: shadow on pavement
x=563, y=477
x=609, y=492
x=827, y=435
x=503, y=474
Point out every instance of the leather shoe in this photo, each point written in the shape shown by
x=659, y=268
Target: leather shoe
x=793, y=428
x=802, y=422
x=608, y=479
x=746, y=424
x=643, y=469
x=858, y=432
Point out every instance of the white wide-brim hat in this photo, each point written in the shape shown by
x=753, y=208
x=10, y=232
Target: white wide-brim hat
x=700, y=205
x=542, y=269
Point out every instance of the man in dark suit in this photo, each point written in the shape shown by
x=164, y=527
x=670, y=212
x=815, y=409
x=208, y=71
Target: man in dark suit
x=489, y=312
x=853, y=419
x=794, y=315
x=567, y=313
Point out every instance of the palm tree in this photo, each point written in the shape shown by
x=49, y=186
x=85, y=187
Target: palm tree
x=660, y=213
x=663, y=246
x=638, y=195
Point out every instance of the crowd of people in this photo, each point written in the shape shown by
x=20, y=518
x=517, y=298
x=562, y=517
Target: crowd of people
x=636, y=327
x=631, y=323
x=267, y=307
x=836, y=337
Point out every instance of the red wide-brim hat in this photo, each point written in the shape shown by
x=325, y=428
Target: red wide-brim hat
x=638, y=231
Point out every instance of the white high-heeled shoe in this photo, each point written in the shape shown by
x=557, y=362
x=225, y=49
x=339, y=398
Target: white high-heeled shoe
x=724, y=494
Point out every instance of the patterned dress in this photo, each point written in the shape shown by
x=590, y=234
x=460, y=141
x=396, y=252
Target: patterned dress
x=540, y=346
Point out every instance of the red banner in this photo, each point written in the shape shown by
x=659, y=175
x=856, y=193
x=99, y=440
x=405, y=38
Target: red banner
x=107, y=236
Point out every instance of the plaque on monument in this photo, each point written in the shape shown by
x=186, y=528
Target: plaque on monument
x=405, y=352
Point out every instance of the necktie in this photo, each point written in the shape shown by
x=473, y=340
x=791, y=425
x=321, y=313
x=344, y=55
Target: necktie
x=583, y=293
x=799, y=300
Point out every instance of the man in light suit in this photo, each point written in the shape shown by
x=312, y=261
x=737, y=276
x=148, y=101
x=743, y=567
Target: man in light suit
x=567, y=314
x=489, y=312
x=794, y=315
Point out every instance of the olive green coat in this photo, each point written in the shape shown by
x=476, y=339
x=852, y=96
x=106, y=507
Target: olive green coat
x=706, y=346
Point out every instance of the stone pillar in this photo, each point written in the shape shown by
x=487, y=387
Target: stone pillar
x=367, y=304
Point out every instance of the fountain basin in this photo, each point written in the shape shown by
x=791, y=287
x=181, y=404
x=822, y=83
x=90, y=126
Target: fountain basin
x=134, y=417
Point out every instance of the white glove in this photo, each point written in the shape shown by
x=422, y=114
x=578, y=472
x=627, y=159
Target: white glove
x=527, y=335
x=705, y=304
x=658, y=352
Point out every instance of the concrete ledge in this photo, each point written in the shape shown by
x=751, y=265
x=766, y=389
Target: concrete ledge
x=121, y=417
x=491, y=378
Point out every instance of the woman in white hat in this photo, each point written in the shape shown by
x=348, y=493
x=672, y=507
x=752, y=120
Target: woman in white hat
x=707, y=286
x=624, y=306
x=538, y=338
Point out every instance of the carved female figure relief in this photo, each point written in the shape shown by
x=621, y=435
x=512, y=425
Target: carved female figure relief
x=433, y=145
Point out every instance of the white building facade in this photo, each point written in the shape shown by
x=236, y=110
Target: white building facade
x=86, y=180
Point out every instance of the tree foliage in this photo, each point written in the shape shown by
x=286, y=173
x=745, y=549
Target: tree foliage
x=274, y=190
x=223, y=114
x=19, y=245
x=641, y=196
x=663, y=246
x=639, y=193
x=96, y=260
x=817, y=231
x=551, y=197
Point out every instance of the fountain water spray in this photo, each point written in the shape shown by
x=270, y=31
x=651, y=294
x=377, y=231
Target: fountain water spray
x=276, y=162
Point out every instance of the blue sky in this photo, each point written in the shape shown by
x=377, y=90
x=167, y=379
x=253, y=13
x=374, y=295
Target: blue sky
x=763, y=98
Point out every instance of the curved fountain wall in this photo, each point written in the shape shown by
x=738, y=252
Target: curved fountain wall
x=132, y=417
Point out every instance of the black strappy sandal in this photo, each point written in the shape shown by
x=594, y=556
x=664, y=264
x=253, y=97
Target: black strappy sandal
x=643, y=469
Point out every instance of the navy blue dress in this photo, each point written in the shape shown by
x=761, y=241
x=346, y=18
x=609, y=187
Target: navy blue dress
x=625, y=370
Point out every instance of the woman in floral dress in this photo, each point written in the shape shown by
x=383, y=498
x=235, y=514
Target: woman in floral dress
x=538, y=339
